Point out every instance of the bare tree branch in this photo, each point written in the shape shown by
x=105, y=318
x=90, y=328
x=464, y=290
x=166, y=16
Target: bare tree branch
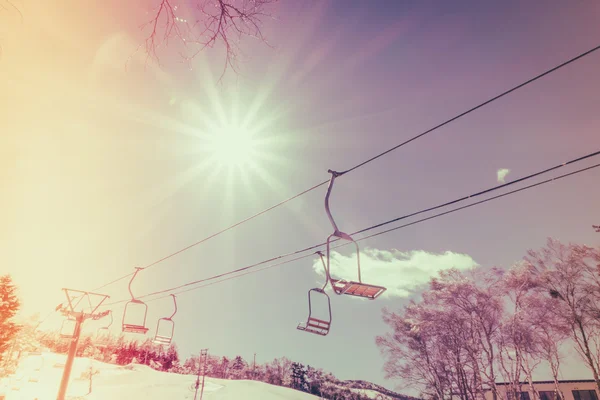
x=6, y=6
x=204, y=23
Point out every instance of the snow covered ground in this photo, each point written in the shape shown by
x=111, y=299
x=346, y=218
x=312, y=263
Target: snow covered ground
x=38, y=377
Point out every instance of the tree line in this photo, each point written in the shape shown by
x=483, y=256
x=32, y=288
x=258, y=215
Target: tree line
x=472, y=329
x=280, y=371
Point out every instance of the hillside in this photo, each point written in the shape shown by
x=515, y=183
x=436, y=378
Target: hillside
x=38, y=376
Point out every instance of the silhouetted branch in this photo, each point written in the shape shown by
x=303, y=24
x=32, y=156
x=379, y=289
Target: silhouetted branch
x=224, y=21
x=7, y=6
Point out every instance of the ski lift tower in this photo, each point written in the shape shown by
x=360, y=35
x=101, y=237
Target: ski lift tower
x=201, y=370
x=80, y=306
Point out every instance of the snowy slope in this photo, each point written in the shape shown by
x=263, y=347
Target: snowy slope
x=39, y=377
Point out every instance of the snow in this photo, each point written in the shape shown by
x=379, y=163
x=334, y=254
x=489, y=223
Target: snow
x=372, y=394
x=38, y=376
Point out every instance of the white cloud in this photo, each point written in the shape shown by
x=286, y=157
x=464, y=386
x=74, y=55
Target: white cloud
x=502, y=172
x=401, y=272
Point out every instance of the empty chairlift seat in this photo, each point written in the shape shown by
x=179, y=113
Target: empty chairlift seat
x=103, y=333
x=134, y=316
x=316, y=325
x=165, y=327
x=67, y=329
x=359, y=289
x=342, y=286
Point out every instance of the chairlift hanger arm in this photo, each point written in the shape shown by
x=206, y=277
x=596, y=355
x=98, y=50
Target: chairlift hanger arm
x=111, y=320
x=334, y=175
x=137, y=269
x=175, y=304
x=327, y=279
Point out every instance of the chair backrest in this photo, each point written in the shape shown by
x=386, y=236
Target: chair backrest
x=67, y=329
x=317, y=325
x=131, y=324
x=165, y=328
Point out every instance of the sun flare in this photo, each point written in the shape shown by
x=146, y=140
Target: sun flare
x=232, y=146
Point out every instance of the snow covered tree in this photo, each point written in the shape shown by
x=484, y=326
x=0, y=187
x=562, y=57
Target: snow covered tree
x=278, y=372
x=299, y=377
x=224, y=368
x=127, y=353
x=569, y=274
x=170, y=358
x=145, y=350
x=85, y=346
x=9, y=305
x=445, y=344
x=314, y=380
x=238, y=368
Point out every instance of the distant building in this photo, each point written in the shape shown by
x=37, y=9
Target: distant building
x=571, y=390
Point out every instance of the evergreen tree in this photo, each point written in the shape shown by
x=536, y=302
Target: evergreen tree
x=224, y=368
x=9, y=305
x=238, y=368
x=126, y=353
x=314, y=380
x=191, y=365
x=299, y=377
x=145, y=351
x=84, y=346
x=170, y=359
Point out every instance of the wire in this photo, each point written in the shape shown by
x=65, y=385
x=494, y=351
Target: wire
x=481, y=192
x=378, y=233
x=474, y=108
x=218, y=233
x=366, y=162
x=215, y=282
x=481, y=201
x=170, y=290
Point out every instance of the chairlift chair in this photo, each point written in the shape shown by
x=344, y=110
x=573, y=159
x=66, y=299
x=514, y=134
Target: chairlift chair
x=163, y=325
x=103, y=333
x=343, y=286
x=316, y=325
x=128, y=325
x=67, y=329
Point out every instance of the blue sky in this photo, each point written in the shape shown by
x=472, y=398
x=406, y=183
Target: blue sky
x=100, y=166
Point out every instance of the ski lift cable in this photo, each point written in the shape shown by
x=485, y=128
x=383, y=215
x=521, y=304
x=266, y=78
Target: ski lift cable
x=377, y=234
x=218, y=233
x=171, y=290
x=535, y=78
x=515, y=88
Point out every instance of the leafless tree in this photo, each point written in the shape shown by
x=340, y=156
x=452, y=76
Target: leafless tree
x=567, y=272
x=201, y=24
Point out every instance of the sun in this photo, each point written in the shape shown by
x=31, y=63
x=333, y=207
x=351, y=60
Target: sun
x=232, y=146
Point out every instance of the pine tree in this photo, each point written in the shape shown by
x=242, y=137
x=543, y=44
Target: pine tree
x=314, y=379
x=170, y=359
x=9, y=305
x=299, y=377
x=84, y=347
x=224, y=367
x=238, y=368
